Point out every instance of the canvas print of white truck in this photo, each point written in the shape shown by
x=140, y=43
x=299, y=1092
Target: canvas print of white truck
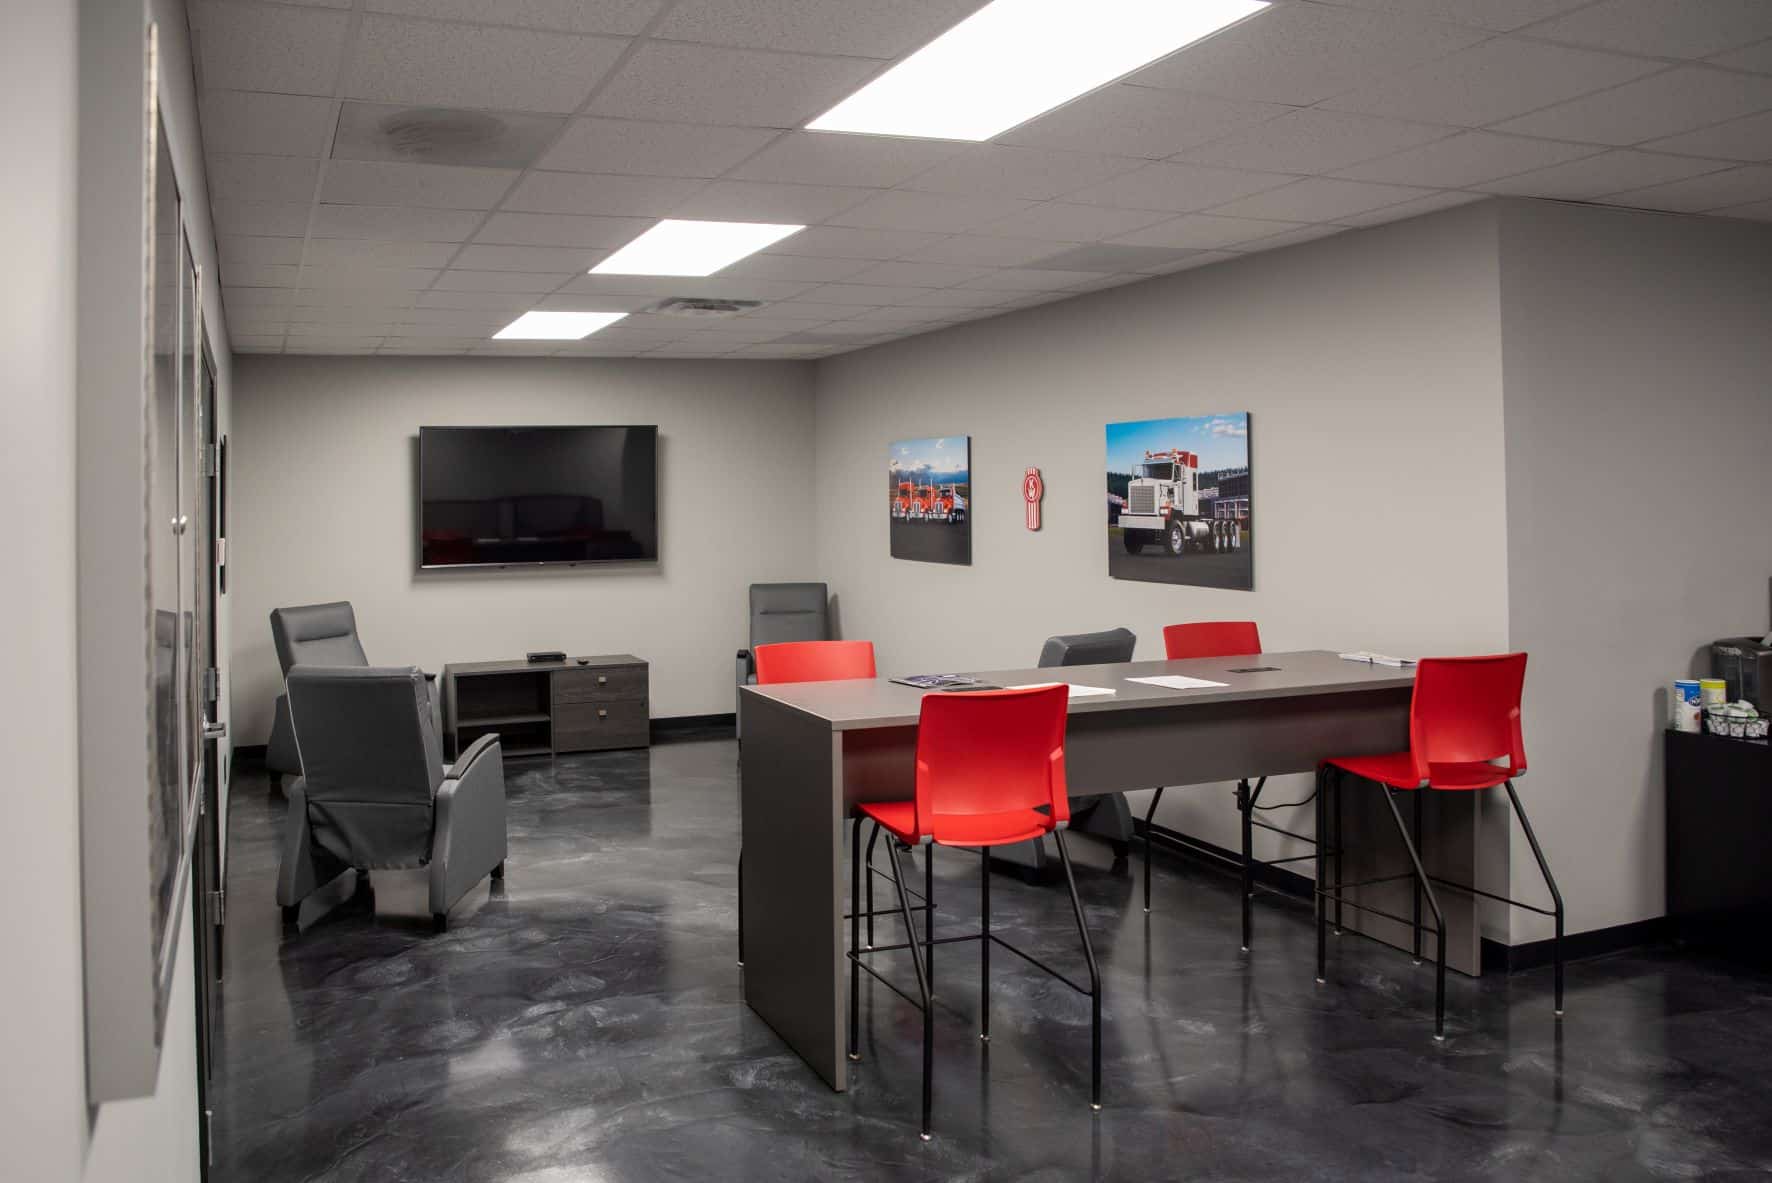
x=1178, y=503
x=929, y=499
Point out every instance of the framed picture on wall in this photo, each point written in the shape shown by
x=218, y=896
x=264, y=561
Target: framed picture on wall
x=1178, y=501
x=929, y=499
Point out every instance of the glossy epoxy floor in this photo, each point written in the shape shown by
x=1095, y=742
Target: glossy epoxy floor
x=586, y=1023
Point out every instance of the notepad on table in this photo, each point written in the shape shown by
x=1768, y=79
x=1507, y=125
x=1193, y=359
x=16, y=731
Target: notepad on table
x=944, y=682
x=1077, y=690
x=1178, y=682
x=1377, y=659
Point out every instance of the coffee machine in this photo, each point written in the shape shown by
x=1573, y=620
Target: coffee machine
x=1745, y=665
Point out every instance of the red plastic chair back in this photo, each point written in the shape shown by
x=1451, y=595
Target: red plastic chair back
x=1211, y=638
x=1467, y=710
x=990, y=751
x=813, y=661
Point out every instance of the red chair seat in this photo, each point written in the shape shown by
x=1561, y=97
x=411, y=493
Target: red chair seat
x=1397, y=769
x=969, y=829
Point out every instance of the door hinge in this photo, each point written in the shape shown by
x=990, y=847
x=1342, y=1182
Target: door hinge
x=218, y=908
x=211, y=684
x=211, y=462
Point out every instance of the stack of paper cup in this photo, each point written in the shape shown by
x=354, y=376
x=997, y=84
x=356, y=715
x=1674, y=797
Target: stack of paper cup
x=1684, y=702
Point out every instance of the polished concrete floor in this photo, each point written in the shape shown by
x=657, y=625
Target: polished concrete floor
x=584, y=1022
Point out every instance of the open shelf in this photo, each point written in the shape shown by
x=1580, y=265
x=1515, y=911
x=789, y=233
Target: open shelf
x=500, y=720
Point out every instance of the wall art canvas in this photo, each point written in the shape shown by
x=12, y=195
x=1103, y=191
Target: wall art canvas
x=929, y=499
x=1178, y=501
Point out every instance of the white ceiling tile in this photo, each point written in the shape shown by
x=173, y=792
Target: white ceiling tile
x=1318, y=199
x=455, y=280
x=717, y=287
x=263, y=275
x=1492, y=81
x=1061, y=221
x=854, y=28
x=822, y=158
x=266, y=124
x=255, y=248
x=982, y=250
x=341, y=298
x=261, y=178
x=808, y=310
x=1609, y=172
x=864, y=294
x=1177, y=187
x=1036, y=173
x=1411, y=209
x=1291, y=238
x=1313, y=141
x=253, y=343
x=619, y=17
x=239, y=297
x=1718, y=190
x=1466, y=160
x=842, y=242
x=701, y=84
x=592, y=193
x=1757, y=58
x=1140, y=121
x=290, y=50
x=331, y=347
x=579, y=302
x=808, y=268
x=383, y=310
x=394, y=222
x=445, y=332
x=762, y=201
x=1204, y=232
x=400, y=134
x=348, y=252
x=1664, y=28
x=396, y=60
x=406, y=347
x=535, y=259
x=652, y=149
x=1759, y=211
x=923, y=275
x=367, y=278
x=359, y=330
x=1115, y=257
x=1030, y=279
x=1679, y=100
x=1748, y=138
x=435, y=186
x=560, y=230
x=1498, y=15
x=904, y=210
x=283, y=219
x=959, y=298
x=898, y=316
x=1304, y=53
x=469, y=300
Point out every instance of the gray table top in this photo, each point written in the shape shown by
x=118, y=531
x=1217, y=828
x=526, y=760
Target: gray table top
x=864, y=703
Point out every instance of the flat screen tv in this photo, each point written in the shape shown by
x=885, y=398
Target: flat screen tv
x=529, y=496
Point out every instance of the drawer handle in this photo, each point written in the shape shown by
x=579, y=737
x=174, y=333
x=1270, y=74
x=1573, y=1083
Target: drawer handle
x=601, y=680
x=602, y=714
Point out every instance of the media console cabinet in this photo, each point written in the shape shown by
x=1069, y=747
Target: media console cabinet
x=590, y=704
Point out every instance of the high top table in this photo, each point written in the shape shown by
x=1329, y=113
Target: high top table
x=814, y=750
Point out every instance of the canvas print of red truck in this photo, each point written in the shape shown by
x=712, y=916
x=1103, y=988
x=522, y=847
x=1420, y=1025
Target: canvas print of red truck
x=929, y=499
x=1178, y=501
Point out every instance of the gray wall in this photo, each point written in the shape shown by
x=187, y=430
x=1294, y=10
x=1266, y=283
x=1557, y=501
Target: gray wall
x=1371, y=364
x=325, y=491
x=1638, y=365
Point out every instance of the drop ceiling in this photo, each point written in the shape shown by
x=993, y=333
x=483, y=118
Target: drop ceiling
x=408, y=176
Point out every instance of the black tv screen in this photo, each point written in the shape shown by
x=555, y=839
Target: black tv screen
x=519, y=496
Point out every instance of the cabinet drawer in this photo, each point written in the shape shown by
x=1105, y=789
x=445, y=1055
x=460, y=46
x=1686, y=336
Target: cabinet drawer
x=592, y=726
x=600, y=683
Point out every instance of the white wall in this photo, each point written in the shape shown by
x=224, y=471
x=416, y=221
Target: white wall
x=1638, y=362
x=325, y=485
x=1371, y=364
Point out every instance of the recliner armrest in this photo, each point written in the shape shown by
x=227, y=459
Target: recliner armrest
x=464, y=763
x=468, y=840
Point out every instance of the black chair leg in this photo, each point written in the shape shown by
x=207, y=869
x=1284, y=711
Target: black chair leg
x=873, y=837
x=984, y=944
x=856, y=872
x=1246, y=799
x=904, y=911
x=741, y=905
x=1070, y=883
x=1426, y=889
x=1333, y=785
x=1148, y=815
x=929, y=914
x=1322, y=901
x=1556, y=896
x=1420, y=796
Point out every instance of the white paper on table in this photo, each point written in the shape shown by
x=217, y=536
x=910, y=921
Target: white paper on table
x=1178, y=682
x=1077, y=690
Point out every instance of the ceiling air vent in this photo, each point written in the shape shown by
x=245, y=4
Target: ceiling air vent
x=441, y=135
x=703, y=308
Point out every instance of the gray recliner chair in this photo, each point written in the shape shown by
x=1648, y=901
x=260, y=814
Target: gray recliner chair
x=1107, y=815
x=784, y=612
x=315, y=634
x=376, y=794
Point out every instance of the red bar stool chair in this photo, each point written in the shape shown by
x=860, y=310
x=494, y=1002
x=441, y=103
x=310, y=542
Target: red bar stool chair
x=1216, y=638
x=810, y=661
x=1463, y=719
x=990, y=772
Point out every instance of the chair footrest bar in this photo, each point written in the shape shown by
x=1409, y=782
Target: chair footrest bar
x=1261, y=825
x=1489, y=895
x=1373, y=882
x=1405, y=920
x=884, y=981
x=1036, y=963
x=1274, y=862
x=993, y=938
